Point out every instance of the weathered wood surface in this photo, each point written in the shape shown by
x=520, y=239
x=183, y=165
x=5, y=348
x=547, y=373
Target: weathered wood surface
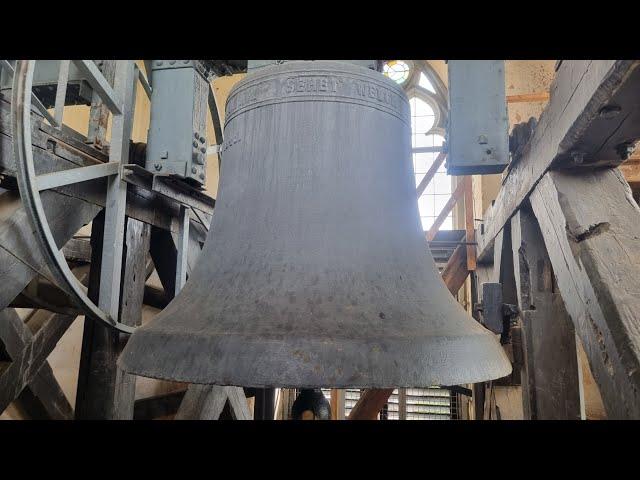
x=25, y=366
x=46, y=392
x=20, y=257
x=551, y=378
x=570, y=123
x=158, y=406
x=104, y=391
x=206, y=402
x=591, y=228
x=55, y=150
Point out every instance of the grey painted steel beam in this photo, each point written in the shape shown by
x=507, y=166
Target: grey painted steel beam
x=111, y=270
x=76, y=175
x=100, y=84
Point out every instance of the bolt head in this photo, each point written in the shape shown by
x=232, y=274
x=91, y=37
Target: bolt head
x=194, y=170
x=157, y=166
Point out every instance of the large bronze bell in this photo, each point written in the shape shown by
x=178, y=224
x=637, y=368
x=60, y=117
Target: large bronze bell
x=316, y=271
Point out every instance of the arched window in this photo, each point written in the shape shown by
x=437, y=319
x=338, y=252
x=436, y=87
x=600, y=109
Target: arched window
x=428, y=100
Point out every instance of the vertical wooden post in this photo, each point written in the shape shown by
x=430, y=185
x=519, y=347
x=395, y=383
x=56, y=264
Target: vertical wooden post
x=264, y=406
x=105, y=392
x=551, y=388
x=337, y=404
x=402, y=404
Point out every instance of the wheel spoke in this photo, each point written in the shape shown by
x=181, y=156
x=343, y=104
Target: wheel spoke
x=76, y=175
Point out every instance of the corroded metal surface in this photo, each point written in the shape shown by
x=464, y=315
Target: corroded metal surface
x=316, y=271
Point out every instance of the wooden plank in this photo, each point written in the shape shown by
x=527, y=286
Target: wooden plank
x=24, y=367
x=238, y=404
x=571, y=122
x=550, y=374
x=591, y=226
x=104, y=391
x=46, y=395
x=631, y=172
x=370, y=403
x=528, y=97
x=158, y=406
x=207, y=402
x=136, y=253
x=455, y=272
x=20, y=257
x=422, y=186
x=437, y=223
x=202, y=402
x=337, y=404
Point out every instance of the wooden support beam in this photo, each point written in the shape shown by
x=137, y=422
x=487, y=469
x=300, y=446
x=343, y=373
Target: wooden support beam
x=370, y=403
x=528, y=97
x=455, y=272
x=20, y=257
x=631, y=172
x=422, y=186
x=592, y=113
x=591, y=226
x=207, y=402
x=24, y=367
x=105, y=391
x=446, y=210
x=46, y=397
x=337, y=404
x=550, y=374
x=158, y=406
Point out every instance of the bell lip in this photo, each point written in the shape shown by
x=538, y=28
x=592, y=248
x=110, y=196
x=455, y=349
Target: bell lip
x=447, y=361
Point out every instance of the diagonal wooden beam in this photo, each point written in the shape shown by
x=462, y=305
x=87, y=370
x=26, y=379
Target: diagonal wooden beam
x=207, y=402
x=592, y=116
x=27, y=363
x=446, y=210
x=422, y=186
x=15, y=335
x=591, y=226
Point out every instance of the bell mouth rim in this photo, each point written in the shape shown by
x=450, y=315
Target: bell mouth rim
x=251, y=362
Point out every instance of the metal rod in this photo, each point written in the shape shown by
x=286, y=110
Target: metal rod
x=61, y=91
x=34, y=100
x=76, y=175
x=100, y=84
